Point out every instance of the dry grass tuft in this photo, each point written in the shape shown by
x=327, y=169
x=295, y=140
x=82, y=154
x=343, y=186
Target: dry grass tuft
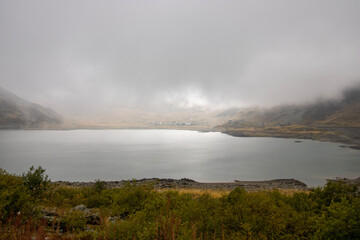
x=215, y=193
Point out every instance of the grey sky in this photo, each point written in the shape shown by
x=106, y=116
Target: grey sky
x=80, y=55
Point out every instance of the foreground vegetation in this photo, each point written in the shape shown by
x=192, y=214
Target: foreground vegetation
x=33, y=208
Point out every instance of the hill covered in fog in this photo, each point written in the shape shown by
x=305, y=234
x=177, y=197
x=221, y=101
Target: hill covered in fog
x=336, y=112
x=17, y=113
x=336, y=120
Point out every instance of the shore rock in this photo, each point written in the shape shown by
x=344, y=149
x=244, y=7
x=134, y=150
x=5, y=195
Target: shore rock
x=163, y=183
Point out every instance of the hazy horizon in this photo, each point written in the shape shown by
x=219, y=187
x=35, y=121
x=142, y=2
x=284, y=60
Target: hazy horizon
x=83, y=56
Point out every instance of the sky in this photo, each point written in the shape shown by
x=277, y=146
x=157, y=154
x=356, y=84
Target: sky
x=77, y=56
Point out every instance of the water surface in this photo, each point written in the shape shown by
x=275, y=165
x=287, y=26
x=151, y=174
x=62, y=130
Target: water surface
x=86, y=155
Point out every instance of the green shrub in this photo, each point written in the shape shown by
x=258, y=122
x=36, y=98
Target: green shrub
x=131, y=198
x=341, y=220
x=14, y=197
x=334, y=191
x=126, y=230
x=36, y=181
x=99, y=186
x=73, y=221
x=66, y=197
x=97, y=200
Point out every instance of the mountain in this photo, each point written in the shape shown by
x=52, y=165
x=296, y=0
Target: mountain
x=327, y=120
x=340, y=112
x=16, y=113
x=343, y=112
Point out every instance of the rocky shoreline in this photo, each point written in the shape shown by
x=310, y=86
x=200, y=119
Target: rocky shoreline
x=355, y=181
x=166, y=183
x=341, y=135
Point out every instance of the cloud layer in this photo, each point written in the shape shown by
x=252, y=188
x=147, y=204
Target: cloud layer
x=79, y=55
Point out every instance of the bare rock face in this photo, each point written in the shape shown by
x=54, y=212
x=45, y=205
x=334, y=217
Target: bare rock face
x=16, y=113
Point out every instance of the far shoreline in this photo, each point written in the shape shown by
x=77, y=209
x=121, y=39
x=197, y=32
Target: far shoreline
x=185, y=183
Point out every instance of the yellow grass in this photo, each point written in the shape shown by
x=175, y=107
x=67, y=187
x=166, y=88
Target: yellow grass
x=215, y=193
x=290, y=192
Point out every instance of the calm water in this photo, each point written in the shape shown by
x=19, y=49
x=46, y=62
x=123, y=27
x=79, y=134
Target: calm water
x=86, y=155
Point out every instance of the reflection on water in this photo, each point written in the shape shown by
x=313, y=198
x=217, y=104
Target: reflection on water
x=85, y=155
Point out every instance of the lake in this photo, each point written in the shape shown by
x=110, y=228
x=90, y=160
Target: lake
x=86, y=155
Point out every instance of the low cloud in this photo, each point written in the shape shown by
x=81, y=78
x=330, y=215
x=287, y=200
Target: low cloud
x=81, y=56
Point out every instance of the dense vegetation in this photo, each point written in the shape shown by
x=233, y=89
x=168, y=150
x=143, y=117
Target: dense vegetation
x=32, y=208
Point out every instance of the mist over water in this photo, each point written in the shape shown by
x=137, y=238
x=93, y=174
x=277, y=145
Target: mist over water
x=86, y=155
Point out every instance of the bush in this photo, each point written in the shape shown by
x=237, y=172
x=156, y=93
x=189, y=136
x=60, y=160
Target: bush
x=36, y=181
x=131, y=198
x=66, y=197
x=341, y=220
x=334, y=191
x=99, y=186
x=14, y=197
x=73, y=221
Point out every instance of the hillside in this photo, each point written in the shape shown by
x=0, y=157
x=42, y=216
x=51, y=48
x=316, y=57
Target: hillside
x=340, y=112
x=16, y=113
x=327, y=120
